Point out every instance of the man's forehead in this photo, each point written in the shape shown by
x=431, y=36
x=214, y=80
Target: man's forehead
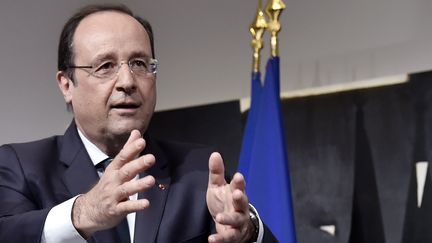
x=100, y=30
x=109, y=19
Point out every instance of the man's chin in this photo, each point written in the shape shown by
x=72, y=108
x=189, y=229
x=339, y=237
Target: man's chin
x=125, y=129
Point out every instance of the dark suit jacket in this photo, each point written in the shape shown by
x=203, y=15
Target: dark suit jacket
x=36, y=176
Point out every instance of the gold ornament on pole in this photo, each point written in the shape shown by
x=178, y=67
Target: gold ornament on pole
x=257, y=30
x=273, y=9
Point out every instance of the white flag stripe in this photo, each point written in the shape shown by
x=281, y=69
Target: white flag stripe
x=421, y=172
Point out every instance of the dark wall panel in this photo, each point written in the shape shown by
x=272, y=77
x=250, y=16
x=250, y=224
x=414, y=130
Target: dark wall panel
x=217, y=125
x=320, y=135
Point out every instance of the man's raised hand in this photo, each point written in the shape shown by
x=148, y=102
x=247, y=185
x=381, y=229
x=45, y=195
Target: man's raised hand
x=107, y=203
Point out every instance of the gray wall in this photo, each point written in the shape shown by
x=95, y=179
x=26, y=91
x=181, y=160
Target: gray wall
x=203, y=49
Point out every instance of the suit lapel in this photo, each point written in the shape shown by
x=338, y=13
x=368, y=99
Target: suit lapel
x=148, y=221
x=81, y=175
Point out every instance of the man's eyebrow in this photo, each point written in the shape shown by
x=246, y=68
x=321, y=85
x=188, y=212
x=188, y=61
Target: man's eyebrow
x=112, y=56
x=139, y=54
x=103, y=56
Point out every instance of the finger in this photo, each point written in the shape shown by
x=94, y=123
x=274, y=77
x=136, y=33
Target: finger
x=233, y=219
x=128, y=171
x=124, y=191
x=128, y=152
x=135, y=134
x=228, y=235
x=131, y=206
x=240, y=201
x=238, y=182
x=216, y=170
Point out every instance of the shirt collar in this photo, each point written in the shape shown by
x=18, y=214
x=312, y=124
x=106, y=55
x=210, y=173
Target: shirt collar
x=96, y=155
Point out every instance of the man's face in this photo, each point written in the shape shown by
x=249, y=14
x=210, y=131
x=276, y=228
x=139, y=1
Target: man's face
x=108, y=109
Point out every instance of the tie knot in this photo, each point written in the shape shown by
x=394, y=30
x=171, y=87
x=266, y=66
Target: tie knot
x=101, y=166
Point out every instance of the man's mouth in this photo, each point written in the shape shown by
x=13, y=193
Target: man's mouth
x=125, y=106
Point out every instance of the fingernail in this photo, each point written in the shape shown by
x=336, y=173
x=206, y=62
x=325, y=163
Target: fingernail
x=219, y=218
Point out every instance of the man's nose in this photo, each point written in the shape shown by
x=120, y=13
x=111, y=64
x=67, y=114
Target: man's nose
x=125, y=79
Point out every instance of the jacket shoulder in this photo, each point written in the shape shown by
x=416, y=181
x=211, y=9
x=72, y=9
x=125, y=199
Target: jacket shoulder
x=29, y=152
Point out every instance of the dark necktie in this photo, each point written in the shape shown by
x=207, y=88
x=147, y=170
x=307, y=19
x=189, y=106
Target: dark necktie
x=122, y=228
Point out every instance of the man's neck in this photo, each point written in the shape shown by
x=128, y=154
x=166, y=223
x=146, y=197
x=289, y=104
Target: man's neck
x=110, y=146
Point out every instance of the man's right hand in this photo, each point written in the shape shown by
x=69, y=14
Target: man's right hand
x=107, y=203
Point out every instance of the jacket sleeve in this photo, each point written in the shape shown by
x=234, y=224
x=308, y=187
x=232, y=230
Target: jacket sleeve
x=21, y=218
x=268, y=236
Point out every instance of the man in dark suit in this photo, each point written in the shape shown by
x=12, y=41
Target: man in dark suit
x=102, y=181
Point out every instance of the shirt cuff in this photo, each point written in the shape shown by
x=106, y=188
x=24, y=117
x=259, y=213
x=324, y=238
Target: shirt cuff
x=261, y=226
x=58, y=227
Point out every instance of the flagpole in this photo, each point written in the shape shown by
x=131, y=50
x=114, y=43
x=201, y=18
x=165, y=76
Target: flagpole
x=274, y=9
x=257, y=29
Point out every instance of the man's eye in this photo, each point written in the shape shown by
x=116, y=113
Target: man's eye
x=138, y=63
x=105, y=67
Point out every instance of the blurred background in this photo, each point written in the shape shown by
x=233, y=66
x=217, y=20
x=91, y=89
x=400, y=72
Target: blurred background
x=204, y=46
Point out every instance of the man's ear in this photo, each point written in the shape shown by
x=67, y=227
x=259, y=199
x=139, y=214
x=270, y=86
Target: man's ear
x=66, y=86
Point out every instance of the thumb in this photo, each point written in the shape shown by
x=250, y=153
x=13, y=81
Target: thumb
x=216, y=170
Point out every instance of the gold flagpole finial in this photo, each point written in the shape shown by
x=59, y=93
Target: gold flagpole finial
x=257, y=30
x=274, y=9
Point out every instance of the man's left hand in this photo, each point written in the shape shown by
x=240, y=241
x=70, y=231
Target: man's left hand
x=228, y=204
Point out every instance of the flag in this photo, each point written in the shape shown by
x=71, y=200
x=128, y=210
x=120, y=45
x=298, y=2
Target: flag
x=256, y=88
x=263, y=157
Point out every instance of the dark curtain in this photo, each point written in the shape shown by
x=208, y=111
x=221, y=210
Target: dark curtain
x=320, y=133
x=419, y=219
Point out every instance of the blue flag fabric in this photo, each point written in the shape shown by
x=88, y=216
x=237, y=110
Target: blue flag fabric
x=263, y=158
x=248, y=137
